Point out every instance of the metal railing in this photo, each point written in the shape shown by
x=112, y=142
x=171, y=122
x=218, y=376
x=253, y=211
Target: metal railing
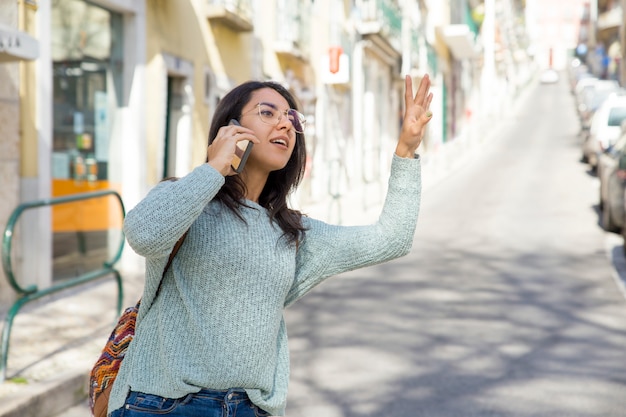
x=32, y=292
x=388, y=15
x=242, y=8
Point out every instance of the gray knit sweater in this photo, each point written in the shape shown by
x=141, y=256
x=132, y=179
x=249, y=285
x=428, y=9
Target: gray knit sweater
x=217, y=321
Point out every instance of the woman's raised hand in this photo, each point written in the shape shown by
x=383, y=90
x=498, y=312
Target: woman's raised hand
x=416, y=116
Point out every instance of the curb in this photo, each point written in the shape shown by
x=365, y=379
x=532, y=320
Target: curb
x=48, y=398
x=54, y=345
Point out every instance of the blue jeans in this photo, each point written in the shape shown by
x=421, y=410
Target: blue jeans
x=206, y=403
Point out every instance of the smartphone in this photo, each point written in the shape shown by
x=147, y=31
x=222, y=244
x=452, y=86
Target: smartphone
x=241, y=152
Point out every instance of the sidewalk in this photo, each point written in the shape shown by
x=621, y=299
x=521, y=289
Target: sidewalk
x=54, y=344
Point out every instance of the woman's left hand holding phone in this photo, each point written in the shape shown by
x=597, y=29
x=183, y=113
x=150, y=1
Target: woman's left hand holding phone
x=222, y=150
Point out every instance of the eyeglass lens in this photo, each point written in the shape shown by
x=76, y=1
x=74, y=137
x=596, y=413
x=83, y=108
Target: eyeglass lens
x=272, y=116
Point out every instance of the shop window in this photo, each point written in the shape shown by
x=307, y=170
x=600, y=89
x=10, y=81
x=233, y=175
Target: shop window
x=87, y=57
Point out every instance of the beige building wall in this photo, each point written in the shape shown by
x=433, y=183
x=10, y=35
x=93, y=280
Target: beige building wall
x=553, y=29
x=353, y=124
x=18, y=134
x=205, y=59
x=9, y=137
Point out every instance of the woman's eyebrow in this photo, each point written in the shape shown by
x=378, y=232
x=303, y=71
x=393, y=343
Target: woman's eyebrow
x=272, y=105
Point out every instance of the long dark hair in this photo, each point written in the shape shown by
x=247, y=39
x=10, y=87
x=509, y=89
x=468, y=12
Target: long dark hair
x=279, y=183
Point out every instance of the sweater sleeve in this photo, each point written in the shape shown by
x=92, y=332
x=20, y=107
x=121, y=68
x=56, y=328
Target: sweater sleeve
x=328, y=250
x=154, y=225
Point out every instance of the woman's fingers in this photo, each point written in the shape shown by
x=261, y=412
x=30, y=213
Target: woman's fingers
x=222, y=149
x=422, y=91
x=408, y=91
x=422, y=98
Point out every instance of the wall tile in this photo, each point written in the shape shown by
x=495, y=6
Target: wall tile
x=9, y=132
x=9, y=74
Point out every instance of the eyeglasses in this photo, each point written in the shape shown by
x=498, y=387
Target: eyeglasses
x=269, y=114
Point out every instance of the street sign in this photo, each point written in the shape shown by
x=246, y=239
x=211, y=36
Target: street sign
x=16, y=45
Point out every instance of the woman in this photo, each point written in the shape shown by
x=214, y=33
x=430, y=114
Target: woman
x=210, y=337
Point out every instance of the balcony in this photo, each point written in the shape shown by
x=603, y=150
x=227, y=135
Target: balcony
x=381, y=21
x=460, y=40
x=610, y=19
x=292, y=29
x=234, y=14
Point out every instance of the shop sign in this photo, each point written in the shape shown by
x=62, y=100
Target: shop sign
x=16, y=45
x=335, y=67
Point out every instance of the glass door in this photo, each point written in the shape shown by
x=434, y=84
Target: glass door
x=87, y=73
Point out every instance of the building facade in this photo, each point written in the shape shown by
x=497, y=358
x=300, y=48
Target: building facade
x=122, y=92
x=76, y=111
x=19, y=50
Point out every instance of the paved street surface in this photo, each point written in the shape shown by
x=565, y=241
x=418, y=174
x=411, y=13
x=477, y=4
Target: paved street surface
x=507, y=306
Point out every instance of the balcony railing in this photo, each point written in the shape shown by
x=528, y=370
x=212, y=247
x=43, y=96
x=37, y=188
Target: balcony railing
x=611, y=19
x=292, y=28
x=235, y=14
x=382, y=18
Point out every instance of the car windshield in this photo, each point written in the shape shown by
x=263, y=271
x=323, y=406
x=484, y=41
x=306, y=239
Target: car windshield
x=594, y=98
x=597, y=96
x=616, y=116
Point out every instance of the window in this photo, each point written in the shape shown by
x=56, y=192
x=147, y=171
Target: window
x=87, y=65
x=86, y=43
x=616, y=116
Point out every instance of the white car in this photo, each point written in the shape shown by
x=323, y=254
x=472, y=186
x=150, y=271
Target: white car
x=583, y=85
x=549, y=76
x=592, y=97
x=605, y=128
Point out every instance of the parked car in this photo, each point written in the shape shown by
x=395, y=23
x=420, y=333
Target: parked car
x=583, y=84
x=549, y=76
x=592, y=97
x=605, y=128
x=612, y=174
x=577, y=73
x=575, y=67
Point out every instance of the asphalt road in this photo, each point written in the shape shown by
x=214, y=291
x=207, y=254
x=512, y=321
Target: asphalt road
x=508, y=305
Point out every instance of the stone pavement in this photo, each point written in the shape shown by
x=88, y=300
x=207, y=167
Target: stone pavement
x=55, y=342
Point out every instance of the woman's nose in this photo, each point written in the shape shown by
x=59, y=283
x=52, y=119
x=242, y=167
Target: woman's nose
x=285, y=123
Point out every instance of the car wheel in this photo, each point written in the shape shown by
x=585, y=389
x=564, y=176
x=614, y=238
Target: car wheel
x=607, y=222
x=624, y=235
x=592, y=162
x=624, y=228
x=600, y=200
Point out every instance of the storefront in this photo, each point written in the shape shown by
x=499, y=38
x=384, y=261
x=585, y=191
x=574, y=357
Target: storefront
x=87, y=81
x=87, y=65
x=95, y=122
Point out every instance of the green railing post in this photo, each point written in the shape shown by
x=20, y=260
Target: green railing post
x=30, y=293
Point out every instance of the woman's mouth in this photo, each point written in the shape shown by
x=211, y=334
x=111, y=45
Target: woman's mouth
x=280, y=141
